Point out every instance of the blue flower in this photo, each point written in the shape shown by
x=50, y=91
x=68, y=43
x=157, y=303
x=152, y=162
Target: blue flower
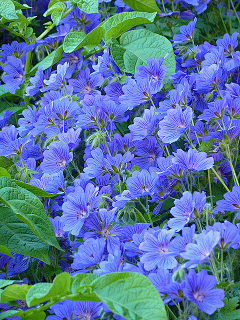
x=154, y=72
x=62, y=310
x=193, y=160
x=201, y=250
x=15, y=76
x=37, y=83
x=89, y=254
x=187, y=33
x=174, y=124
x=141, y=183
x=143, y=126
x=56, y=158
x=87, y=310
x=199, y=290
x=231, y=201
x=156, y=250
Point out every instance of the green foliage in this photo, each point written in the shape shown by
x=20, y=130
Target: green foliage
x=7, y=10
x=136, y=46
x=17, y=237
x=140, y=300
x=230, y=310
x=28, y=208
x=206, y=146
x=76, y=40
x=50, y=60
x=13, y=107
x=4, y=173
x=119, y=23
x=113, y=27
x=35, y=190
x=87, y=6
x=143, y=5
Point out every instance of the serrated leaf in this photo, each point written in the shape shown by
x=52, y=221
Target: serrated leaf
x=29, y=209
x=76, y=40
x=143, y=5
x=206, y=146
x=229, y=311
x=137, y=46
x=49, y=61
x=121, y=22
x=7, y=10
x=42, y=292
x=130, y=295
x=19, y=238
x=35, y=190
x=87, y=6
x=4, y=173
x=14, y=292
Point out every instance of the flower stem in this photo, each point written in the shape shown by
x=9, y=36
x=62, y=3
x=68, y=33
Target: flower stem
x=220, y=179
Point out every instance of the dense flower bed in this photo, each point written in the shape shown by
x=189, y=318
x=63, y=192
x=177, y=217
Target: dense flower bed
x=119, y=156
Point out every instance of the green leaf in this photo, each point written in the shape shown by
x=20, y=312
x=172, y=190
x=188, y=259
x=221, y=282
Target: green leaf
x=49, y=61
x=3, y=91
x=113, y=27
x=4, y=283
x=20, y=6
x=8, y=164
x=29, y=209
x=4, y=173
x=16, y=236
x=35, y=190
x=130, y=295
x=143, y=5
x=58, y=6
x=76, y=40
x=229, y=311
x=121, y=22
x=14, y=292
x=5, y=251
x=4, y=315
x=81, y=283
x=206, y=146
x=56, y=17
x=137, y=46
x=87, y=6
x=7, y=10
x=42, y=292
x=14, y=108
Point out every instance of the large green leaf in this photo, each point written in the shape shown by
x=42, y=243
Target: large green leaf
x=76, y=40
x=29, y=209
x=136, y=46
x=5, y=251
x=41, y=292
x=7, y=10
x=4, y=173
x=35, y=190
x=14, y=292
x=87, y=6
x=130, y=295
x=16, y=236
x=9, y=313
x=120, y=23
x=4, y=283
x=113, y=27
x=49, y=61
x=143, y=5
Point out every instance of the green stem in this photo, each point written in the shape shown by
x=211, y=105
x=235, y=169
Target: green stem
x=141, y=215
x=220, y=179
x=235, y=11
x=14, y=32
x=159, y=143
x=170, y=312
x=220, y=11
x=42, y=35
x=229, y=13
x=221, y=264
x=210, y=187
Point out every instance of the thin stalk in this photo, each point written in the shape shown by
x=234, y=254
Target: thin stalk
x=210, y=187
x=170, y=312
x=220, y=179
x=14, y=32
x=141, y=215
x=221, y=264
x=220, y=11
x=229, y=14
x=42, y=35
x=235, y=11
x=159, y=143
